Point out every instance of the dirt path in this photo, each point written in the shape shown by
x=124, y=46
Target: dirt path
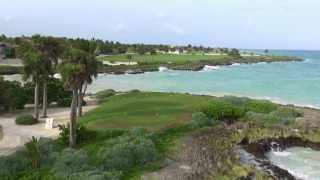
x=15, y=136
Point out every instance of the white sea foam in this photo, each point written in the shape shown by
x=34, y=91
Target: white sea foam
x=163, y=69
x=210, y=68
x=281, y=153
x=296, y=161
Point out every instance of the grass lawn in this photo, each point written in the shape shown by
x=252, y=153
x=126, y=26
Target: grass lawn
x=165, y=58
x=193, y=59
x=153, y=111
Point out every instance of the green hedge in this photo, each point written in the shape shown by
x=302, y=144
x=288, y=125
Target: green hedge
x=26, y=120
x=7, y=70
x=223, y=111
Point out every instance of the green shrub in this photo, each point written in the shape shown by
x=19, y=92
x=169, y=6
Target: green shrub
x=7, y=69
x=64, y=102
x=70, y=162
x=26, y=120
x=199, y=119
x=25, y=163
x=287, y=112
x=11, y=166
x=82, y=135
x=102, y=95
x=237, y=101
x=49, y=151
x=33, y=152
x=12, y=95
x=135, y=91
x=282, y=115
x=118, y=157
x=222, y=111
x=134, y=148
x=37, y=174
x=260, y=106
x=96, y=175
x=261, y=118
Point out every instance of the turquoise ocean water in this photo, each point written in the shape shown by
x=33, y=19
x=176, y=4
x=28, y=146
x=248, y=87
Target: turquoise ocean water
x=290, y=83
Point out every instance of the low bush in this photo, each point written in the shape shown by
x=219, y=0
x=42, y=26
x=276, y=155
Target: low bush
x=96, y=175
x=7, y=69
x=64, y=102
x=102, y=95
x=70, y=162
x=135, y=91
x=82, y=135
x=199, y=119
x=49, y=151
x=222, y=111
x=28, y=162
x=13, y=165
x=282, y=115
x=26, y=120
x=261, y=118
x=237, y=101
x=287, y=112
x=126, y=151
x=260, y=106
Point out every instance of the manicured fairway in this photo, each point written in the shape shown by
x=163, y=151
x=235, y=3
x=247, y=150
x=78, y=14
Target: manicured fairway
x=149, y=110
x=193, y=58
x=166, y=58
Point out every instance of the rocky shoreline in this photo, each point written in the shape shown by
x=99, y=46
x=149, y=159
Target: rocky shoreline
x=198, y=66
x=142, y=68
x=260, y=148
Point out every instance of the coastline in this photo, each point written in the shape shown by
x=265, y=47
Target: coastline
x=260, y=149
x=192, y=66
x=140, y=68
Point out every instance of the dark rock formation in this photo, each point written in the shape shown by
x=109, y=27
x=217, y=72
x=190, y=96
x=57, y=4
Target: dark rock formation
x=260, y=148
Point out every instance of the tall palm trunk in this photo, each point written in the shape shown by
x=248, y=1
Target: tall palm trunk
x=79, y=111
x=36, y=100
x=45, y=100
x=73, y=118
x=82, y=92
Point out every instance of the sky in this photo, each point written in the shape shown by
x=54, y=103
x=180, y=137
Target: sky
x=259, y=24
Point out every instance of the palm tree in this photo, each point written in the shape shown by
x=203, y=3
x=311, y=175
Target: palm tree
x=91, y=71
x=90, y=64
x=34, y=63
x=52, y=49
x=73, y=74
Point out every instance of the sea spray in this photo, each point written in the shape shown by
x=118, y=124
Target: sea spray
x=210, y=68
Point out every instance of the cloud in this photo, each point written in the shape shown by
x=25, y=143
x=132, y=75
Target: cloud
x=174, y=28
x=120, y=28
x=161, y=15
x=6, y=19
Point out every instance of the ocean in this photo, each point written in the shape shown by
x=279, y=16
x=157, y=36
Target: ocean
x=295, y=83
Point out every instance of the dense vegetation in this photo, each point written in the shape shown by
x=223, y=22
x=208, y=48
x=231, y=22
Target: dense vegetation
x=110, y=47
x=14, y=95
x=148, y=57
x=112, y=144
